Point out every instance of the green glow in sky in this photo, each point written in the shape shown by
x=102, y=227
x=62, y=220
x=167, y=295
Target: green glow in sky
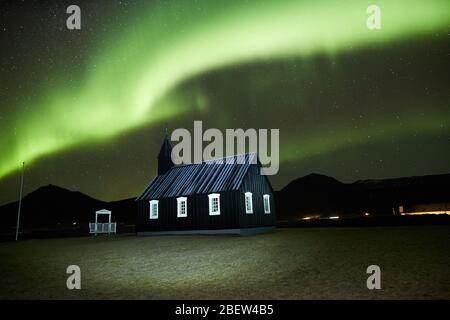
x=131, y=79
x=335, y=138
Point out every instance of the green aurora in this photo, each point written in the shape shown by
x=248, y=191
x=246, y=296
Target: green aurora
x=173, y=42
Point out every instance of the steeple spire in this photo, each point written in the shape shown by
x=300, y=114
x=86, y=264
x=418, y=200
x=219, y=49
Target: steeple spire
x=165, y=155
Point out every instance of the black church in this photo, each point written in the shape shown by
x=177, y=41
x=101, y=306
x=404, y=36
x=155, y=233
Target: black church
x=219, y=196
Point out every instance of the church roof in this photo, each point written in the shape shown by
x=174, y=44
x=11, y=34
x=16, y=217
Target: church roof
x=216, y=175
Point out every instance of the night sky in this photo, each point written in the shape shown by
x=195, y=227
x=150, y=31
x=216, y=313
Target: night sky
x=86, y=109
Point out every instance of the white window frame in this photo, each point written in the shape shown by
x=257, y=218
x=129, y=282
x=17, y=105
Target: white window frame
x=180, y=200
x=152, y=202
x=266, y=208
x=249, y=198
x=211, y=197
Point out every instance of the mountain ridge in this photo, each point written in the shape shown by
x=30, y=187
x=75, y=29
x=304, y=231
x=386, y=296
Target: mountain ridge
x=312, y=194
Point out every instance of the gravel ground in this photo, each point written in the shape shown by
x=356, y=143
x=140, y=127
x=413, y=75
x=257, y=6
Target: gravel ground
x=316, y=263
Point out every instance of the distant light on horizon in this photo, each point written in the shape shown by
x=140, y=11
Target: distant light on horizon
x=310, y=217
x=443, y=212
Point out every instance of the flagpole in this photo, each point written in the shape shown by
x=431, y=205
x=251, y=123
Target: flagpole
x=20, y=202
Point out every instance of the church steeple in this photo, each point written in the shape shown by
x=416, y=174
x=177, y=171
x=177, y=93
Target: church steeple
x=165, y=156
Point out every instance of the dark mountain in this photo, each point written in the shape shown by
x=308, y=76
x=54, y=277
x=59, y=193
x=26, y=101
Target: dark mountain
x=52, y=206
x=313, y=180
x=431, y=187
x=312, y=195
x=318, y=195
x=383, y=195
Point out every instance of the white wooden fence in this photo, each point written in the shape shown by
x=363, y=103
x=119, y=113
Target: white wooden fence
x=102, y=227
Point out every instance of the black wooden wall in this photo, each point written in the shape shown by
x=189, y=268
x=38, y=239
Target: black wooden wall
x=258, y=185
